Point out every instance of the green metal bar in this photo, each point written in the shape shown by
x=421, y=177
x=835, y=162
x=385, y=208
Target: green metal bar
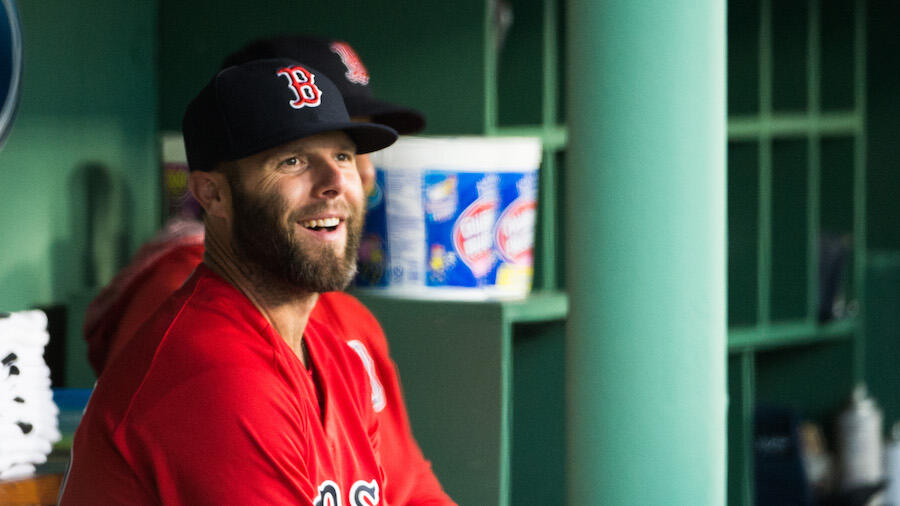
x=645, y=209
x=490, y=59
x=545, y=245
x=748, y=402
x=547, y=278
x=814, y=169
x=550, y=49
x=764, y=253
x=506, y=416
x=785, y=125
x=859, y=186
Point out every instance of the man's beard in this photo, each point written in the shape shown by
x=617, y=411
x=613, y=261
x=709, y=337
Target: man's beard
x=276, y=256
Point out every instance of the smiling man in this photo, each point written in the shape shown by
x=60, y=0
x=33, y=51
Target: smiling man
x=230, y=393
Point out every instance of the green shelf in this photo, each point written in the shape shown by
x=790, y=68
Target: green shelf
x=464, y=365
x=795, y=125
x=554, y=137
x=786, y=335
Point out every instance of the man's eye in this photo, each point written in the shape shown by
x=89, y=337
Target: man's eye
x=344, y=157
x=291, y=163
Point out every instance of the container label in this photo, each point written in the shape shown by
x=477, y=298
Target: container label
x=514, y=232
x=462, y=207
x=514, y=235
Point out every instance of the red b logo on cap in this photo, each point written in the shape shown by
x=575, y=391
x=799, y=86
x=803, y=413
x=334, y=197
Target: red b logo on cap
x=303, y=83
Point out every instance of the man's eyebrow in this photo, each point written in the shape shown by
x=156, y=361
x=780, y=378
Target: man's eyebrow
x=281, y=154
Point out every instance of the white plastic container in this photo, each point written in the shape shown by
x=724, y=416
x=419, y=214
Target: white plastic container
x=452, y=218
x=859, y=442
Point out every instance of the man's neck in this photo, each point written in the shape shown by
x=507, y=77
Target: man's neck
x=286, y=308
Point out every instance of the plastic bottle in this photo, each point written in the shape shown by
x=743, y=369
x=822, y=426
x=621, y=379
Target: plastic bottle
x=892, y=467
x=859, y=442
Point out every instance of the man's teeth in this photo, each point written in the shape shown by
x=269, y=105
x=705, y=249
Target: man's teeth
x=323, y=223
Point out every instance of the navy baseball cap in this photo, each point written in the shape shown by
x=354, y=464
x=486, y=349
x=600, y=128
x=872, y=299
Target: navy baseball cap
x=337, y=60
x=249, y=108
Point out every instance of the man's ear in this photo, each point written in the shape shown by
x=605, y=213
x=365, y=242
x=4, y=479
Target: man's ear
x=212, y=191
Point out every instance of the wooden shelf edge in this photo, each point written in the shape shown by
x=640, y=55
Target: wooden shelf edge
x=788, y=335
x=538, y=306
x=553, y=137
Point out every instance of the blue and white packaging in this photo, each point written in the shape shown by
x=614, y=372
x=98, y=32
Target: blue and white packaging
x=452, y=218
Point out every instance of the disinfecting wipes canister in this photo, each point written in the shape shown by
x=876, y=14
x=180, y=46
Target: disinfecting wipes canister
x=452, y=218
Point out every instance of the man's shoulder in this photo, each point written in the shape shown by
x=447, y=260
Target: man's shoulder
x=210, y=321
x=205, y=325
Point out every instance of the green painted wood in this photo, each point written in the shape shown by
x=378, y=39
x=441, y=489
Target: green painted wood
x=454, y=360
x=790, y=54
x=522, y=69
x=741, y=400
x=550, y=48
x=80, y=187
x=815, y=379
x=883, y=332
x=789, y=334
x=811, y=135
x=546, y=237
x=787, y=289
x=743, y=233
x=764, y=209
x=540, y=306
x=860, y=239
x=882, y=112
x=743, y=59
x=813, y=161
x=794, y=125
x=437, y=62
x=553, y=137
x=538, y=435
x=645, y=218
x=838, y=20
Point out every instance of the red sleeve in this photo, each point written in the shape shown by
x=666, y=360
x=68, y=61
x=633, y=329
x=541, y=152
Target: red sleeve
x=213, y=439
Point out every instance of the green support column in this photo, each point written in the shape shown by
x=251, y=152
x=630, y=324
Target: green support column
x=645, y=208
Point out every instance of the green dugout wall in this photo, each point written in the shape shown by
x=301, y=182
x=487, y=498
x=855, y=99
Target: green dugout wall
x=608, y=385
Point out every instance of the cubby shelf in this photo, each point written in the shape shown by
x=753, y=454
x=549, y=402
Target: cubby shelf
x=553, y=137
x=797, y=172
x=843, y=123
x=785, y=335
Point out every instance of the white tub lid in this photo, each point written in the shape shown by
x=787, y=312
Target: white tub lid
x=466, y=153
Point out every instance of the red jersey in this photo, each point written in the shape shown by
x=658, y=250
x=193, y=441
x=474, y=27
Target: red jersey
x=208, y=405
x=163, y=265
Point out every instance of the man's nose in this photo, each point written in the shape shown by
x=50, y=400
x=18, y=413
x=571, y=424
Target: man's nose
x=331, y=178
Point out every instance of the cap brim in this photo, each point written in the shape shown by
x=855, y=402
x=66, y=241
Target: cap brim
x=369, y=137
x=404, y=120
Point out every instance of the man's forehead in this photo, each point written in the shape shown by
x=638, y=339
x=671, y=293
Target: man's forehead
x=334, y=139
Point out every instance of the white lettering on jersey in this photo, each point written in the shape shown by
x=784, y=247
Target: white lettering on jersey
x=329, y=494
x=379, y=401
x=362, y=493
